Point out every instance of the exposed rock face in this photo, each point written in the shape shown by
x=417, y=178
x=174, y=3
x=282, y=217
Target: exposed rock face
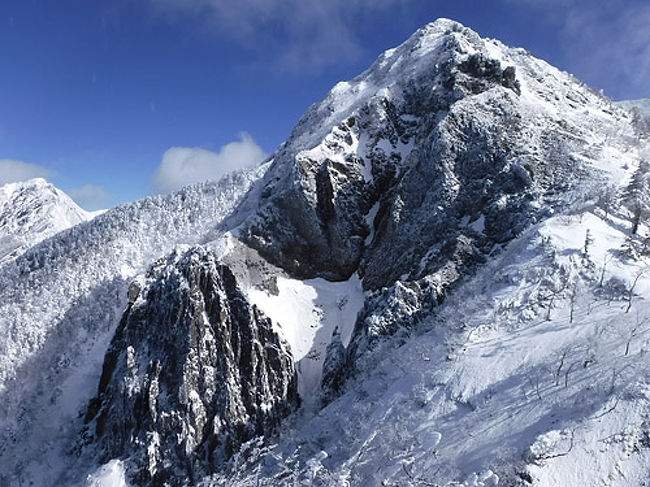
x=421, y=164
x=332, y=376
x=192, y=372
x=416, y=171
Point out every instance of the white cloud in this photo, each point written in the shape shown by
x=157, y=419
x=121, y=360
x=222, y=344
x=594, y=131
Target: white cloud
x=90, y=196
x=12, y=171
x=181, y=166
x=298, y=35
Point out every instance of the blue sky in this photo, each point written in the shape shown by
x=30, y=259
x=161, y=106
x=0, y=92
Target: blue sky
x=113, y=100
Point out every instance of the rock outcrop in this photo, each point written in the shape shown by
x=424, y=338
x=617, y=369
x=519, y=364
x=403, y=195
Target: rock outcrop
x=380, y=175
x=193, y=372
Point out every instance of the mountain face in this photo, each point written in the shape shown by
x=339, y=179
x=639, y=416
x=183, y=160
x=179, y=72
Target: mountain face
x=192, y=372
x=411, y=145
x=32, y=211
x=438, y=260
x=416, y=171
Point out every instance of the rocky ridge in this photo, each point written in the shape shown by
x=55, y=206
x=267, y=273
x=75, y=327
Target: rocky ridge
x=418, y=170
x=193, y=372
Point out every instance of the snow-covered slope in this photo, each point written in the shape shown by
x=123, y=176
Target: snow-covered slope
x=307, y=313
x=535, y=372
x=60, y=303
x=444, y=195
x=32, y=211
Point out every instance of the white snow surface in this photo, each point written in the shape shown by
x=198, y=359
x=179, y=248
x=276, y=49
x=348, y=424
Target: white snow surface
x=31, y=211
x=110, y=475
x=305, y=314
x=502, y=383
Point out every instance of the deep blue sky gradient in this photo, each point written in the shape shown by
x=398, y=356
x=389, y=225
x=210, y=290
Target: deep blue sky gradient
x=98, y=90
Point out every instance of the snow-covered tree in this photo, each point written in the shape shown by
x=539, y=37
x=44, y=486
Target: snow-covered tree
x=637, y=195
x=606, y=199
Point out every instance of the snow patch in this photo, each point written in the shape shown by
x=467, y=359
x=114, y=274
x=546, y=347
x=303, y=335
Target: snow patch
x=108, y=475
x=305, y=314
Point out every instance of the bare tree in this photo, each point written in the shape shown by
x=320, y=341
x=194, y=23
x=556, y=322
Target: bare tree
x=572, y=300
x=588, y=241
x=566, y=374
x=610, y=409
x=606, y=260
x=629, y=340
x=558, y=372
x=630, y=291
x=633, y=333
x=534, y=383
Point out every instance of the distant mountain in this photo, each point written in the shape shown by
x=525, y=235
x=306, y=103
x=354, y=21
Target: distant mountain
x=440, y=278
x=32, y=211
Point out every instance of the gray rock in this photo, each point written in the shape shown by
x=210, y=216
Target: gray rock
x=434, y=137
x=192, y=372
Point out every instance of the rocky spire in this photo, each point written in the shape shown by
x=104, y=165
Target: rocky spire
x=193, y=371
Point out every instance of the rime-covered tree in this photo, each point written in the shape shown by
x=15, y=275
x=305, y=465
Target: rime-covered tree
x=606, y=199
x=637, y=195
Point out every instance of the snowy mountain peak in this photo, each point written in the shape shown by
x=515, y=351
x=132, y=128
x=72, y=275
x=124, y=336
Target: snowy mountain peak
x=445, y=128
x=453, y=244
x=31, y=211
